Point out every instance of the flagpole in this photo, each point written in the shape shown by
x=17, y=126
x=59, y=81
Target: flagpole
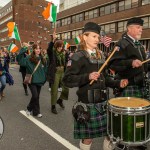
x=20, y=42
x=55, y=25
x=19, y=36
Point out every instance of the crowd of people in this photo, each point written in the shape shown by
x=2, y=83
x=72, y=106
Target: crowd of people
x=62, y=68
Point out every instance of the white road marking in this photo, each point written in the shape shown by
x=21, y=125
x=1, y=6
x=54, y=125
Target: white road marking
x=56, y=136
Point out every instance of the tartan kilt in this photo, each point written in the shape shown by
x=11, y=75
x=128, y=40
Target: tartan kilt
x=95, y=127
x=133, y=91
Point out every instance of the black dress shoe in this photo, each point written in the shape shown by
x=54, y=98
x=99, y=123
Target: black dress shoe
x=26, y=92
x=60, y=103
x=53, y=110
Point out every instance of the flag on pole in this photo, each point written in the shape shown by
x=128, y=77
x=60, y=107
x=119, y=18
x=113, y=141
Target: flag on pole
x=12, y=48
x=13, y=31
x=77, y=39
x=106, y=40
x=66, y=45
x=50, y=13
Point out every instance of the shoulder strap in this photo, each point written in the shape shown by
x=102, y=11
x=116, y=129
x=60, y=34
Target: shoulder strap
x=36, y=66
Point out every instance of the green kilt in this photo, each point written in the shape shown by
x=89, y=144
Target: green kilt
x=96, y=126
x=133, y=91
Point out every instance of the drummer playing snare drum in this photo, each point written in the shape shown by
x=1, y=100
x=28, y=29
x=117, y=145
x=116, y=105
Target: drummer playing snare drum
x=127, y=62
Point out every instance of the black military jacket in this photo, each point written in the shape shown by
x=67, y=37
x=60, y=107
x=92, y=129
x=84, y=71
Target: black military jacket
x=77, y=75
x=121, y=61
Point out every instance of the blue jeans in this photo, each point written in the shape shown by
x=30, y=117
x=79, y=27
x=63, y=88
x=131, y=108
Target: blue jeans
x=3, y=83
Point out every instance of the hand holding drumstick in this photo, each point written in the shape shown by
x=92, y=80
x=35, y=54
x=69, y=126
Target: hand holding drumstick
x=102, y=67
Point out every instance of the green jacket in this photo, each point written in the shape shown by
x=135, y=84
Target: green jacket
x=39, y=76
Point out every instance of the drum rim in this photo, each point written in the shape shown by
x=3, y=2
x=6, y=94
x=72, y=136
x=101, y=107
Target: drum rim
x=128, y=108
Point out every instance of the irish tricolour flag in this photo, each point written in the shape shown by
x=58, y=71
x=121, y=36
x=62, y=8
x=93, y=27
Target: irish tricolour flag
x=77, y=39
x=13, y=31
x=12, y=48
x=50, y=13
x=66, y=45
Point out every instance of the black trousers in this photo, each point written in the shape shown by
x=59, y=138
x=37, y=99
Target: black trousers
x=34, y=105
x=23, y=77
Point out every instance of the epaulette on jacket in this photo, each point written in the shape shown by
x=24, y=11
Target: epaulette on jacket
x=79, y=54
x=123, y=43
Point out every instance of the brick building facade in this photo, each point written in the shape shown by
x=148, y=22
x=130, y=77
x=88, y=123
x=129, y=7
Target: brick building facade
x=112, y=15
x=27, y=16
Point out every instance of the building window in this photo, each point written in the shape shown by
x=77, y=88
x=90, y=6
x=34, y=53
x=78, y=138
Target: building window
x=112, y=28
x=66, y=35
x=102, y=11
x=73, y=34
x=69, y=20
x=127, y=4
x=113, y=8
x=146, y=22
x=63, y=22
x=81, y=17
x=58, y=23
x=86, y=15
x=77, y=18
x=73, y=19
x=95, y=12
x=122, y=26
x=59, y=36
x=145, y=2
x=134, y=3
x=63, y=36
x=76, y=33
x=108, y=28
x=91, y=14
x=107, y=10
x=121, y=5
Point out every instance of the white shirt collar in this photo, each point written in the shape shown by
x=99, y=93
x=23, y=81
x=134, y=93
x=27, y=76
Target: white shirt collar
x=132, y=38
x=91, y=51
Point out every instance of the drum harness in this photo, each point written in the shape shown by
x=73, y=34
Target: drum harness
x=106, y=92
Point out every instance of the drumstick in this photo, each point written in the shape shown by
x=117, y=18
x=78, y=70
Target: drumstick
x=102, y=67
x=145, y=61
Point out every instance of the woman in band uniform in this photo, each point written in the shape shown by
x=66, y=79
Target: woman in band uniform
x=82, y=68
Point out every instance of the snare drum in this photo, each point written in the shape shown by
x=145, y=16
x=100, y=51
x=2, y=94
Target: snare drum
x=128, y=120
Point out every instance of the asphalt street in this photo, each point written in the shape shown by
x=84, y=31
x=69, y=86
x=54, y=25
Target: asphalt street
x=23, y=133
x=51, y=132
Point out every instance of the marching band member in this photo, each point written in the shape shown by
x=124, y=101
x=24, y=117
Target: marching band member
x=127, y=62
x=90, y=122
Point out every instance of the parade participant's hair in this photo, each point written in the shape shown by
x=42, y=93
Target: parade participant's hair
x=59, y=43
x=33, y=57
x=83, y=46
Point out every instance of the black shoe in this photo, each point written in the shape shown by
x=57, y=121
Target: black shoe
x=53, y=110
x=60, y=103
x=26, y=92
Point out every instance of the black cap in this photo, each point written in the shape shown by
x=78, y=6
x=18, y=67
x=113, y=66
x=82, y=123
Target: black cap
x=135, y=20
x=92, y=27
